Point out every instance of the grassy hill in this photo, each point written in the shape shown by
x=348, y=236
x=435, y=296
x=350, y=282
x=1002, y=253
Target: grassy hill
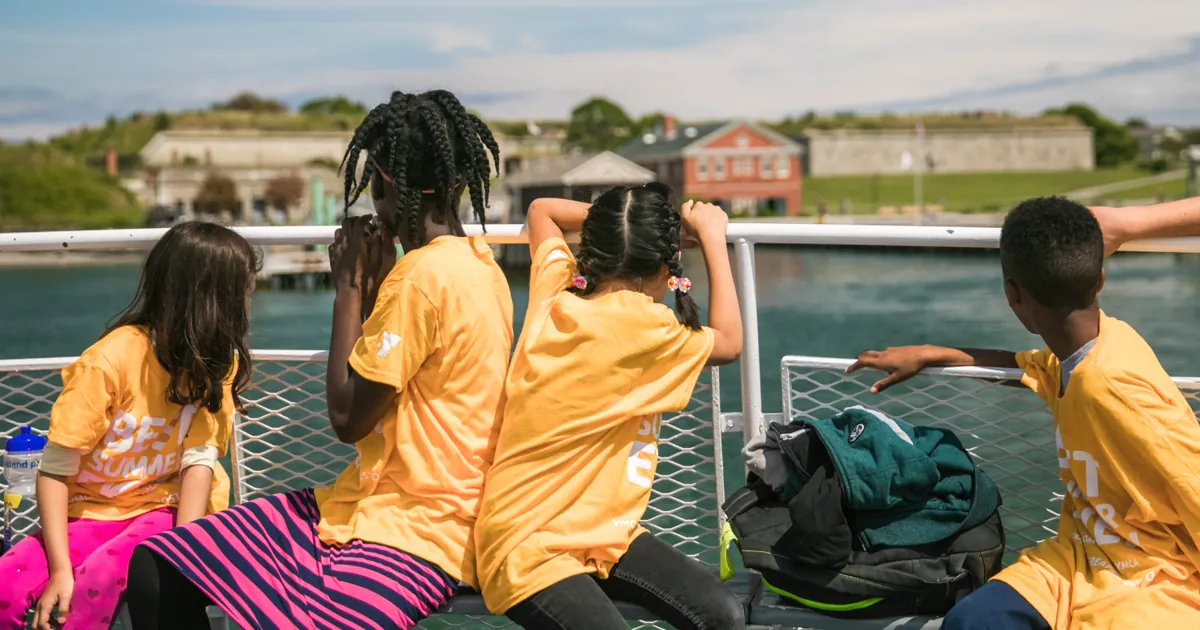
x=971, y=192
x=43, y=187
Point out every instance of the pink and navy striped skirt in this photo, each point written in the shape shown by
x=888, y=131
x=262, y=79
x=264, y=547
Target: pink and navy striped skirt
x=263, y=564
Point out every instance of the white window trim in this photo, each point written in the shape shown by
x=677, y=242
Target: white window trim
x=766, y=167
x=783, y=167
x=719, y=168
x=702, y=168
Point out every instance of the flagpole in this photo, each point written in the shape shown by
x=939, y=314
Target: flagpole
x=918, y=168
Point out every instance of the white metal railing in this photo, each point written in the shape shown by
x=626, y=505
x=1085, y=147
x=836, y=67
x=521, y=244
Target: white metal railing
x=742, y=235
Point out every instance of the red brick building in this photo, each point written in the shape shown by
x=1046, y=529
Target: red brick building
x=741, y=166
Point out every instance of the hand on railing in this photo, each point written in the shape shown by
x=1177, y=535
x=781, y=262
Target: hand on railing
x=901, y=364
x=703, y=221
x=1163, y=220
x=906, y=362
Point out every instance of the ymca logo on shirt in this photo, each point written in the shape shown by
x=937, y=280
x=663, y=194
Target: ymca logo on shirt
x=388, y=342
x=639, y=467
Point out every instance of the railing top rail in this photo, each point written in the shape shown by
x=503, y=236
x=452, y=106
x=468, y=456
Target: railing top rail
x=505, y=234
x=58, y=363
x=982, y=373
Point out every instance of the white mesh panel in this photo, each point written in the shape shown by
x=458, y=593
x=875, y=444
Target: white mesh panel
x=285, y=443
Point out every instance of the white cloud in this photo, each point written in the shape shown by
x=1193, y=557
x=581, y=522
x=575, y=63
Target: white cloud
x=824, y=56
x=833, y=55
x=448, y=38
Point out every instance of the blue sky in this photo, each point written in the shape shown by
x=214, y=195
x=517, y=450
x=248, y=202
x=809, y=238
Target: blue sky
x=66, y=63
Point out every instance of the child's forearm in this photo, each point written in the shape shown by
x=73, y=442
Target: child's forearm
x=960, y=357
x=52, y=498
x=195, y=486
x=345, y=332
x=566, y=214
x=724, y=314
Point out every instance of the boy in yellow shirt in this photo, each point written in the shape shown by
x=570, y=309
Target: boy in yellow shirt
x=1128, y=542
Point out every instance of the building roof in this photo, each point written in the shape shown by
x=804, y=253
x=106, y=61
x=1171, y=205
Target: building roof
x=578, y=169
x=245, y=148
x=660, y=145
x=688, y=138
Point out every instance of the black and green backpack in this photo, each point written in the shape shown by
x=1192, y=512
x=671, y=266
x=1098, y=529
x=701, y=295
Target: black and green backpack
x=808, y=551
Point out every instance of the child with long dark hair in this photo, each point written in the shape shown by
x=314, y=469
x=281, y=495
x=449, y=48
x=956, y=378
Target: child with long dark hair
x=416, y=387
x=599, y=361
x=136, y=432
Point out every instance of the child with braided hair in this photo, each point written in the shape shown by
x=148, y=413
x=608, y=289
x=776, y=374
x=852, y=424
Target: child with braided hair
x=599, y=361
x=415, y=381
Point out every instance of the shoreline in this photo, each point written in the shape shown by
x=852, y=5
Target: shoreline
x=69, y=259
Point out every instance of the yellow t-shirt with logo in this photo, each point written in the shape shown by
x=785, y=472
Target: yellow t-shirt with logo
x=1128, y=543
x=440, y=333
x=589, y=382
x=114, y=412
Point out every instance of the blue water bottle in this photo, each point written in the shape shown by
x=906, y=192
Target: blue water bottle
x=22, y=457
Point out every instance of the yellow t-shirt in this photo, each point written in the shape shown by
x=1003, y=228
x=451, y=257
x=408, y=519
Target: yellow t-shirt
x=587, y=388
x=114, y=412
x=441, y=334
x=1128, y=543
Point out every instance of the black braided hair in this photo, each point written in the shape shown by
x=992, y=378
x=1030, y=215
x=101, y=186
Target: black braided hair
x=422, y=142
x=630, y=233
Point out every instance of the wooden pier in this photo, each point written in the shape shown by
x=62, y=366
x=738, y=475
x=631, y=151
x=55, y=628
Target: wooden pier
x=295, y=268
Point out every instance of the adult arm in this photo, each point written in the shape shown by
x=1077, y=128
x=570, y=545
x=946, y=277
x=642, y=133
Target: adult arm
x=1164, y=220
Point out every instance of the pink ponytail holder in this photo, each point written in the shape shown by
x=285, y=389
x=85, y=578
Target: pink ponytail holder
x=683, y=285
x=579, y=282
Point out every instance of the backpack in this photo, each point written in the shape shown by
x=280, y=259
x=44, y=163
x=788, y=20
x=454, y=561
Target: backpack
x=836, y=575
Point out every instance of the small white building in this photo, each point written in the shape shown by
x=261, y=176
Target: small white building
x=175, y=163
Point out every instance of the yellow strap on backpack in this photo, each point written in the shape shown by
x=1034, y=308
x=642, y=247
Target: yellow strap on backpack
x=727, y=538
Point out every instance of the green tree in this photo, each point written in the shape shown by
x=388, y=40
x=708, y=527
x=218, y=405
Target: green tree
x=599, y=125
x=251, y=102
x=648, y=123
x=1113, y=143
x=333, y=106
x=217, y=194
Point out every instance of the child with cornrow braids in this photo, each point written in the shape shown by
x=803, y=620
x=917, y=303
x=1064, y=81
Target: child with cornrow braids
x=599, y=361
x=415, y=381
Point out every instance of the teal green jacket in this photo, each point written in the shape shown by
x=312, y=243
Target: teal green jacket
x=904, y=485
